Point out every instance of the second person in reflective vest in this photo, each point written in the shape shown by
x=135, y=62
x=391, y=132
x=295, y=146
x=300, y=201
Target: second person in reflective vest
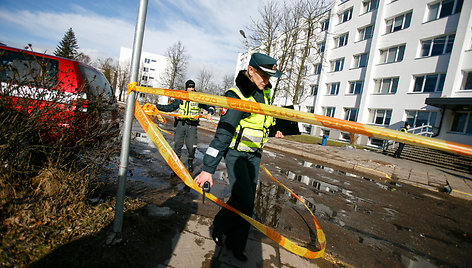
x=186, y=126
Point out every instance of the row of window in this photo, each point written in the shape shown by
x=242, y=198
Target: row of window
x=376, y=116
x=431, y=47
x=435, y=11
x=146, y=78
x=424, y=83
x=147, y=60
x=147, y=69
x=383, y=116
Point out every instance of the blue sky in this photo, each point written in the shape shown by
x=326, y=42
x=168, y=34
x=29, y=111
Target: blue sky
x=209, y=29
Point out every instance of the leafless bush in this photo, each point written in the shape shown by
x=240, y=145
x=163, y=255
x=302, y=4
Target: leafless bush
x=50, y=160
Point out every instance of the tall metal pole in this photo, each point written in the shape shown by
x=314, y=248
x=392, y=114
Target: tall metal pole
x=124, y=158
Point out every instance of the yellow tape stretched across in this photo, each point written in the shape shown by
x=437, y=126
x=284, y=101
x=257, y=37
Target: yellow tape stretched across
x=174, y=162
x=152, y=111
x=314, y=119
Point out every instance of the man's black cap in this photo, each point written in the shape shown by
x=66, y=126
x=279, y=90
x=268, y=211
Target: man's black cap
x=265, y=63
x=189, y=83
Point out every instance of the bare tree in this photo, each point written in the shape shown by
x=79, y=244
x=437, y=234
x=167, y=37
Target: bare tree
x=228, y=82
x=310, y=21
x=83, y=58
x=216, y=89
x=109, y=69
x=263, y=32
x=204, y=80
x=286, y=43
x=295, y=41
x=122, y=80
x=117, y=74
x=177, y=65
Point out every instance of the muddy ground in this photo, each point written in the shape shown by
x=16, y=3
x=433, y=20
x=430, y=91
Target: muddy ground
x=366, y=223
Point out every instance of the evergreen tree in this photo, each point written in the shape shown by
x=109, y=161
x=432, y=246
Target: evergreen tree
x=68, y=47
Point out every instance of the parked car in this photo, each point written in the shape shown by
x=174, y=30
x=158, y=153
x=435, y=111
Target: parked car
x=72, y=93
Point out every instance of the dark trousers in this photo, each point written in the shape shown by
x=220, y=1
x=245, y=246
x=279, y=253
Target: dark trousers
x=243, y=173
x=399, y=150
x=187, y=133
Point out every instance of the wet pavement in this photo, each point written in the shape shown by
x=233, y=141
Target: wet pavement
x=380, y=167
x=375, y=210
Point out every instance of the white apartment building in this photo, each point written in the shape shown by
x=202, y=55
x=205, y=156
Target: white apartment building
x=151, y=67
x=390, y=61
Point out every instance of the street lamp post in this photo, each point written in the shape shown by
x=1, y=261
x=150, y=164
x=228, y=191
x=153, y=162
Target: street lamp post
x=247, y=54
x=245, y=39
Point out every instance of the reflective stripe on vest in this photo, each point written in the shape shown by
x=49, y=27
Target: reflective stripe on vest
x=253, y=131
x=189, y=108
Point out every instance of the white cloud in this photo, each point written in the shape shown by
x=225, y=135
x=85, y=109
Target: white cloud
x=209, y=30
x=94, y=33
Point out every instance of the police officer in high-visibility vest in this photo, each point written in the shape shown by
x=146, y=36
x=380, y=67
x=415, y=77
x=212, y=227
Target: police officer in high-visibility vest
x=239, y=138
x=186, y=127
x=399, y=150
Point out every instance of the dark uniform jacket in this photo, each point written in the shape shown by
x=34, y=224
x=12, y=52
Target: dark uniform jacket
x=229, y=122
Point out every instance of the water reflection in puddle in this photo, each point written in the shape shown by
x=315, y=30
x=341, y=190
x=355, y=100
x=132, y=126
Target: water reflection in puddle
x=270, y=197
x=313, y=183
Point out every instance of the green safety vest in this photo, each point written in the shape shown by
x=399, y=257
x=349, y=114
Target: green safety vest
x=253, y=131
x=189, y=108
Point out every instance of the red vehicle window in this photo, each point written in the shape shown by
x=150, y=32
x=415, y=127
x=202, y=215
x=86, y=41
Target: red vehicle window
x=26, y=68
x=97, y=86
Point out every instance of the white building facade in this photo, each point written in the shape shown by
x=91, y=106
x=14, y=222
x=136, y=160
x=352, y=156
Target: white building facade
x=387, y=62
x=151, y=67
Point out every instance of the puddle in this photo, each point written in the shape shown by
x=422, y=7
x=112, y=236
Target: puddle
x=330, y=196
x=328, y=181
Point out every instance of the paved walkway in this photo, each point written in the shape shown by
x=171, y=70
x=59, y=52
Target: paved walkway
x=194, y=247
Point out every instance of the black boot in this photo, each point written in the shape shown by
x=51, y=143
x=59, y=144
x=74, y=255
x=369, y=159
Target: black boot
x=238, y=254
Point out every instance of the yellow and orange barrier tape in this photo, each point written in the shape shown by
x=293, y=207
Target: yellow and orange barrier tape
x=314, y=119
x=151, y=110
x=176, y=165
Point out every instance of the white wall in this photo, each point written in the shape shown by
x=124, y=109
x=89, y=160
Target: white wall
x=453, y=64
x=154, y=63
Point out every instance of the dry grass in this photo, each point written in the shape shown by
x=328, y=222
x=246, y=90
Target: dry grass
x=47, y=177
